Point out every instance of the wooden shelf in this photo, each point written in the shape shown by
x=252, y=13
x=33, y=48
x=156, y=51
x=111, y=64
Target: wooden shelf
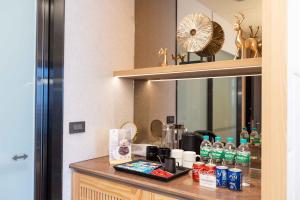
x=209, y=69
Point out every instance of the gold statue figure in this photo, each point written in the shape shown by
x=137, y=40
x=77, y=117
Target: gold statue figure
x=164, y=52
x=254, y=35
x=178, y=57
x=244, y=45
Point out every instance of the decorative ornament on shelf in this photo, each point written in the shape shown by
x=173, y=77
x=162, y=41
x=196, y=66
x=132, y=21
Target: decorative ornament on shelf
x=195, y=32
x=246, y=48
x=164, y=52
x=178, y=57
x=216, y=43
x=254, y=35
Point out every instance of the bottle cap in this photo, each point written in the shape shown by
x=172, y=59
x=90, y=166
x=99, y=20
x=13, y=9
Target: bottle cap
x=254, y=129
x=245, y=128
x=205, y=137
x=230, y=139
x=243, y=141
x=218, y=138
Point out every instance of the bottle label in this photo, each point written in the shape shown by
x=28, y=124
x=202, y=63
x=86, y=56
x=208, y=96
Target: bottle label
x=217, y=154
x=251, y=140
x=256, y=141
x=243, y=157
x=229, y=155
x=204, y=152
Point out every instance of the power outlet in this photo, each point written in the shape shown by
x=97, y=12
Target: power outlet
x=170, y=119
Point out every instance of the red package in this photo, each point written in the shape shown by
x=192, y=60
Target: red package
x=161, y=173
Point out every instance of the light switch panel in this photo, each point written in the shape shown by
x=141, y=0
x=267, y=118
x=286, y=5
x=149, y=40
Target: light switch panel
x=77, y=127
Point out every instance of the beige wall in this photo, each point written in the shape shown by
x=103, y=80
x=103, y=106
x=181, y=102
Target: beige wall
x=155, y=22
x=155, y=28
x=99, y=38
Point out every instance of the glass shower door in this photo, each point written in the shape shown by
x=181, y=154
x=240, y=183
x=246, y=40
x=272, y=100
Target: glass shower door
x=17, y=102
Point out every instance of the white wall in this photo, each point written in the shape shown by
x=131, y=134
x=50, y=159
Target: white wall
x=99, y=38
x=293, y=159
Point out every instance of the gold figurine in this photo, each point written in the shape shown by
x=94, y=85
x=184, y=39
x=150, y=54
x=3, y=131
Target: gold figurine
x=243, y=45
x=254, y=35
x=164, y=52
x=178, y=57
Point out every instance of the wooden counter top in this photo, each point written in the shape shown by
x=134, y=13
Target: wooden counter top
x=183, y=187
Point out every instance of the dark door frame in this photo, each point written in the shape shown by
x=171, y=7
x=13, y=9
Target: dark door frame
x=49, y=99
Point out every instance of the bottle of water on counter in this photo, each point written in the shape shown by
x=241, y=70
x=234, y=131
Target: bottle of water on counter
x=229, y=152
x=244, y=134
x=243, y=161
x=217, y=151
x=205, y=149
x=254, y=137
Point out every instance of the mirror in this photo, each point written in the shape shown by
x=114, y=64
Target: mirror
x=221, y=105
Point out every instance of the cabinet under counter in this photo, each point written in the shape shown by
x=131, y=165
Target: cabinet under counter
x=96, y=179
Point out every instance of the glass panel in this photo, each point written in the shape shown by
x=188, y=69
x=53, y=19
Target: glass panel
x=225, y=107
x=17, y=85
x=192, y=104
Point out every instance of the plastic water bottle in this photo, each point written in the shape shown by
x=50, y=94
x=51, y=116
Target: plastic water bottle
x=229, y=152
x=254, y=137
x=205, y=149
x=243, y=161
x=244, y=134
x=217, y=151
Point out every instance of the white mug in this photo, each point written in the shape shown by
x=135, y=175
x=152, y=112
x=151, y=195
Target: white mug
x=177, y=154
x=179, y=161
x=189, y=156
x=188, y=164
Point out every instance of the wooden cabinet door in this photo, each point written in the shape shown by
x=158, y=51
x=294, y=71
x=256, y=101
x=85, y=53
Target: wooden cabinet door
x=160, y=197
x=92, y=188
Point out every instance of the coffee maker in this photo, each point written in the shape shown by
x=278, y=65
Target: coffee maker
x=191, y=141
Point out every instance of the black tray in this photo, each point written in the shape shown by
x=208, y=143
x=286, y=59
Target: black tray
x=179, y=171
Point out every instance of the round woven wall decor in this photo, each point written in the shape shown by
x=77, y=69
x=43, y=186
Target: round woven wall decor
x=195, y=32
x=215, y=44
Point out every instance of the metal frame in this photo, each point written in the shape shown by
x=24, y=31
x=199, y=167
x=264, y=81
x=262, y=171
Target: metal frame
x=210, y=104
x=239, y=109
x=49, y=99
x=41, y=100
